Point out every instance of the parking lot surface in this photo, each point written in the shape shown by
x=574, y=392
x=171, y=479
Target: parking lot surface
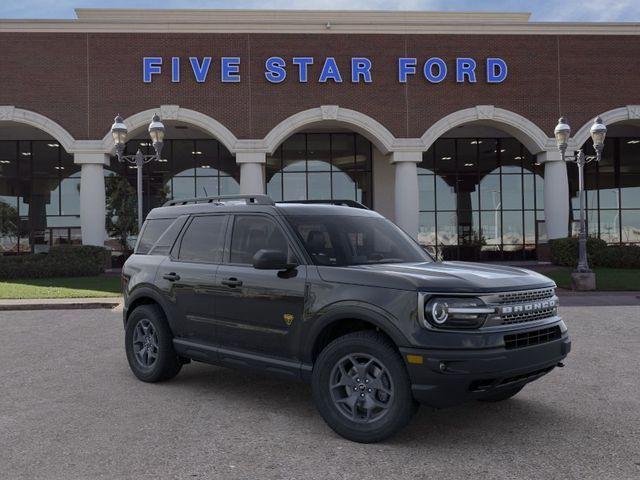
x=70, y=408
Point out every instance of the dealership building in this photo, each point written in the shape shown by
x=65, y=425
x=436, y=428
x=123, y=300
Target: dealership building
x=442, y=122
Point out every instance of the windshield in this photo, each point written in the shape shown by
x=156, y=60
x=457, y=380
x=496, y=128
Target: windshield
x=343, y=240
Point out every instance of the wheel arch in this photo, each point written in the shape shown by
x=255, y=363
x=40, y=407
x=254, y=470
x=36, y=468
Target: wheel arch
x=145, y=296
x=346, y=319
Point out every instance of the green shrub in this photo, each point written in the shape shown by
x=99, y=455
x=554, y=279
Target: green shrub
x=565, y=252
x=61, y=261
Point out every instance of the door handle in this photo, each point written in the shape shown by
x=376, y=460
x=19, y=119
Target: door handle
x=232, y=282
x=172, y=276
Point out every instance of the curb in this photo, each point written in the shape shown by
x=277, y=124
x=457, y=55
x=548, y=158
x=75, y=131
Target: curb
x=59, y=304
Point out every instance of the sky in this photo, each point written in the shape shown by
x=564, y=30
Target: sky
x=542, y=10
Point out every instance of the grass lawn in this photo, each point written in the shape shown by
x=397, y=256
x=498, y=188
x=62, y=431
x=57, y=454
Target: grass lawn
x=70, y=287
x=606, y=278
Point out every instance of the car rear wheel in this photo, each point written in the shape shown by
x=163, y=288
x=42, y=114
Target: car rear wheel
x=361, y=387
x=501, y=395
x=149, y=345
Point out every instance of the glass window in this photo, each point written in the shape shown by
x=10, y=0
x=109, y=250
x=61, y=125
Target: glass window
x=427, y=191
x=343, y=151
x=630, y=226
x=204, y=239
x=320, y=186
x=341, y=240
x=294, y=153
x=445, y=194
x=512, y=192
x=151, y=232
x=252, y=233
x=319, y=152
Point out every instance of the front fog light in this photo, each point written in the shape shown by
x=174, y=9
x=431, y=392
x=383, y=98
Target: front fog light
x=463, y=312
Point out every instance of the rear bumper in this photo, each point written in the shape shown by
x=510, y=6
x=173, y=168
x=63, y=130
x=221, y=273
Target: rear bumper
x=450, y=377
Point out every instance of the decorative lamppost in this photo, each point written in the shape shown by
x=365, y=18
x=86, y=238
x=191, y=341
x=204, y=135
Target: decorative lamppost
x=583, y=278
x=156, y=132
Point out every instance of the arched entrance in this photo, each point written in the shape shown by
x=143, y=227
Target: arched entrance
x=39, y=184
x=481, y=188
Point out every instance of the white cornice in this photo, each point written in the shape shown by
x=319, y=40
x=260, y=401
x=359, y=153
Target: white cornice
x=297, y=21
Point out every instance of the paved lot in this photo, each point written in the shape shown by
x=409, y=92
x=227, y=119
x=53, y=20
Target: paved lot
x=69, y=408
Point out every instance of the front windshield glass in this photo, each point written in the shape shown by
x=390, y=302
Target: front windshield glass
x=343, y=240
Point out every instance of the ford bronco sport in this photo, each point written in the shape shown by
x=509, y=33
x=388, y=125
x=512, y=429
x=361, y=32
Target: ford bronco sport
x=338, y=296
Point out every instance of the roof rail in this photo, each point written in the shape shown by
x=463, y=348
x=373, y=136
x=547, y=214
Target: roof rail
x=344, y=203
x=221, y=199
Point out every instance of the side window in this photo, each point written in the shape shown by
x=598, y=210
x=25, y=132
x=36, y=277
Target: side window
x=166, y=240
x=252, y=233
x=151, y=232
x=204, y=239
x=318, y=242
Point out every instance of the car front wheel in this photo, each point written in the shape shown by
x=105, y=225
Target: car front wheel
x=361, y=387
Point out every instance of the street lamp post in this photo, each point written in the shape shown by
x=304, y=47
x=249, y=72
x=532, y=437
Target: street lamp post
x=119, y=133
x=598, y=132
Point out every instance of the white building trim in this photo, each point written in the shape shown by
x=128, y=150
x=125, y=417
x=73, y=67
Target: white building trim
x=9, y=113
x=527, y=132
x=373, y=130
x=180, y=114
x=622, y=114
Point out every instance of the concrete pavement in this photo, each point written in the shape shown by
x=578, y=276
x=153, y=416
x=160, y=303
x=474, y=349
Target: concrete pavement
x=70, y=409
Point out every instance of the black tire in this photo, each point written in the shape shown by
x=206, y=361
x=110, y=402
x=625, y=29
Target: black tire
x=147, y=328
x=501, y=395
x=370, y=417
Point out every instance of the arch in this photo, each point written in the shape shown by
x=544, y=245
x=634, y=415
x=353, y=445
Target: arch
x=9, y=113
x=177, y=113
x=373, y=130
x=527, y=132
x=621, y=114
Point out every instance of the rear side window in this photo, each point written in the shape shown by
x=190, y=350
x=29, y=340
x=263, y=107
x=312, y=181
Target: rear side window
x=168, y=238
x=204, y=239
x=151, y=233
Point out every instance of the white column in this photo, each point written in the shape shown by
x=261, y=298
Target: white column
x=251, y=172
x=556, y=194
x=92, y=197
x=406, y=190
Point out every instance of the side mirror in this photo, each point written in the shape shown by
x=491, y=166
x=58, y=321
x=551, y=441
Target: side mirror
x=271, y=260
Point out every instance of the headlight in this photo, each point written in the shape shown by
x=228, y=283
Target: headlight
x=462, y=312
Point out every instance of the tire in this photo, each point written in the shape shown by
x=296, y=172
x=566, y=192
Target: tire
x=501, y=395
x=147, y=332
x=371, y=398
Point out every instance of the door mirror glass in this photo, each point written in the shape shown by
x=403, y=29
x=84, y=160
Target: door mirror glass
x=265, y=259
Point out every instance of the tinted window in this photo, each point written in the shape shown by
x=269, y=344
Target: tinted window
x=340, y=240
x=252, y=233
x=204, y=239
x=151, y=232
x=167, y=239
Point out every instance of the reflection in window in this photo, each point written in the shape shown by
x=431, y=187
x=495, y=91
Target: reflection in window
x=480, y=199
x=39, y=196
x=321, y=166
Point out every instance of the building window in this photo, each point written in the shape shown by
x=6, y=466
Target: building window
x=321, y=166
x=188, y=168
x=480, y=199
x=612, y=189
x=39, y=196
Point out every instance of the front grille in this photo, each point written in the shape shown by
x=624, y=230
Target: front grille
x=528, y=317
x=535, y=337
x=507, y=298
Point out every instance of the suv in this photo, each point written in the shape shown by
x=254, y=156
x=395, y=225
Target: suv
x=338, y=296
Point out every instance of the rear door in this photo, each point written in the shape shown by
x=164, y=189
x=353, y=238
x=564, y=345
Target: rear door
x=188, y=275
x=257, y=310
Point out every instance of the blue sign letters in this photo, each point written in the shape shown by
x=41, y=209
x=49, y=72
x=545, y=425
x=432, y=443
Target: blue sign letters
x=327, y=70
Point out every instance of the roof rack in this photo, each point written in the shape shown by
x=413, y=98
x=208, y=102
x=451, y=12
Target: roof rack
x=221, y=199
x=343, y=203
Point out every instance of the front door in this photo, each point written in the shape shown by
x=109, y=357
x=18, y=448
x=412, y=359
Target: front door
x=257, y=310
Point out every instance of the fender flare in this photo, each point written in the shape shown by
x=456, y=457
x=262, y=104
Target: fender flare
x=145, y=291
x=357, y=311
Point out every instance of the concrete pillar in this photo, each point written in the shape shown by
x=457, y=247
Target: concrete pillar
x=556, y=194
x=251, y=172
x=406, y=190
x=92, y=196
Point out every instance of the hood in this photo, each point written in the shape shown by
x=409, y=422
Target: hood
x=460, y=277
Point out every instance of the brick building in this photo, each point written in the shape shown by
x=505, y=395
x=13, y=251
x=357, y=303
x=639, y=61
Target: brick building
x=442, y=122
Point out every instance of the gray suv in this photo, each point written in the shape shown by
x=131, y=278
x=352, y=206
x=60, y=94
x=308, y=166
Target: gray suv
x=333, y=294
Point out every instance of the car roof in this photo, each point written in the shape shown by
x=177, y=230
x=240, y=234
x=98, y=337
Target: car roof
x=277, y=209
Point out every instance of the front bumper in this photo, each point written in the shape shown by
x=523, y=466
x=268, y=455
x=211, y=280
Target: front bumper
x=449, y=377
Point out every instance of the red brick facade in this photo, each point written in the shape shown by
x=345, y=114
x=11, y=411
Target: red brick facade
x=80, y=80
